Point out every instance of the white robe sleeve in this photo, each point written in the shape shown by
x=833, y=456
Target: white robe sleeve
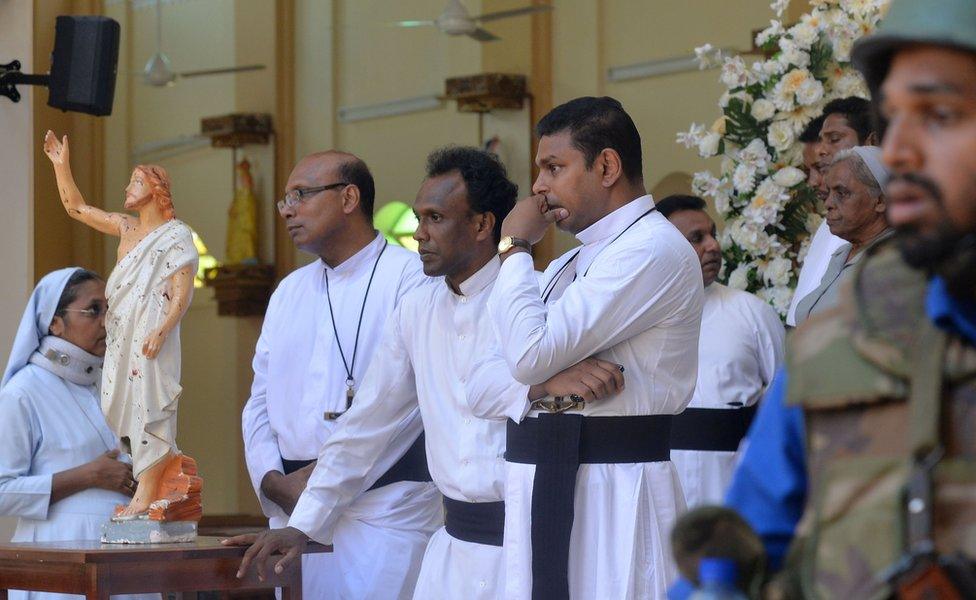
x=261, y=450
x=625, y=293
x=384, y=422
x=493, y=394
x=21, y=494
x=770, y=342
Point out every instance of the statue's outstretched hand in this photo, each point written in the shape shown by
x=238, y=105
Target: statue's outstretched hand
x=155, y=341
x=56, y=150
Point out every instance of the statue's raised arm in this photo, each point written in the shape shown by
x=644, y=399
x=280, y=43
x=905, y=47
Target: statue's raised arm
x=74, y=203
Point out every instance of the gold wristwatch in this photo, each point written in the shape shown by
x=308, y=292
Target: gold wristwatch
x=508, y=242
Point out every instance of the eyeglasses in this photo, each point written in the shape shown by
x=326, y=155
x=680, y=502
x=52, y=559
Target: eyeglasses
x=92, y=312
x=296, y=196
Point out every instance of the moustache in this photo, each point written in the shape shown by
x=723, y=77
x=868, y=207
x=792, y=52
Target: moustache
x=917, y=180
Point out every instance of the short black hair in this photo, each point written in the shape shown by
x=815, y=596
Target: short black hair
x=70, y=293
x=353, y=170
x=811, y=133
x=678, y=202
x=595, y=124
x=485, y=177
x=857, y=112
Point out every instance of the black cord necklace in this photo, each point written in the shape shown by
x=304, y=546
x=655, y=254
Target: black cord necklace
x=547, y=291
x=350, y=380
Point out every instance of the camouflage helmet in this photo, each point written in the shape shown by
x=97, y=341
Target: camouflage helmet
x=950, y=23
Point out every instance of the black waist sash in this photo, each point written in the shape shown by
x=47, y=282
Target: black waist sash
x=711, y=429
x=558, y=444
x=412, y=466
x=476, y=522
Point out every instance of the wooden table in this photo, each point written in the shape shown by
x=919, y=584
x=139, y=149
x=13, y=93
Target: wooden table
x=98, y=570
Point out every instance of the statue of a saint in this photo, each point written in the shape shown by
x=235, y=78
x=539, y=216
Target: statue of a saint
x=148, y=293
x=242, y=220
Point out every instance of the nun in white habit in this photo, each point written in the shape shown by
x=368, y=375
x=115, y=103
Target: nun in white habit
x=60, y=472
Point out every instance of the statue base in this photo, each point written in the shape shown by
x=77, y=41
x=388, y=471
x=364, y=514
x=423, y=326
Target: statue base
x=143, y=530
x=172, y=516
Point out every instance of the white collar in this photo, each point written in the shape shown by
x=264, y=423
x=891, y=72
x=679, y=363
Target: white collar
x=364, y=256
x=617, y=221
x=481, y=279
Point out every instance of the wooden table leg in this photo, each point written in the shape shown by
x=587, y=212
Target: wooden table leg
x=293, y=588
x=98, y=587
x=3, y=594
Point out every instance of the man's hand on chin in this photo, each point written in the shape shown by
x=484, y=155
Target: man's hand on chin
x=530, y=219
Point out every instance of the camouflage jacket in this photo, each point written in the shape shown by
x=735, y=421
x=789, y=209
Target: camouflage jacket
x=857, y=371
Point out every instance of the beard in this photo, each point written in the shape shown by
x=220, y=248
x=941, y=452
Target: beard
x=945, y=251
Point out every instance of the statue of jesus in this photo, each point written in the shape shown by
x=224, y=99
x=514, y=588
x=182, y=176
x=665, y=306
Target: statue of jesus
x=148, y=293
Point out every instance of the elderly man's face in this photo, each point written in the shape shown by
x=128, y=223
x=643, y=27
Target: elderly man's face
x=852, y=210
x=929, y=100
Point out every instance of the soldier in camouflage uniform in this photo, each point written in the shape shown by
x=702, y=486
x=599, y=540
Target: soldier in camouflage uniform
x=887, y=379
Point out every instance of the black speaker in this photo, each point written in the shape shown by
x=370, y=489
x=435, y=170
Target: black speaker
x=84, y=64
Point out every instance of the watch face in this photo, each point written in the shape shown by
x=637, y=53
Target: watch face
x=505, y=244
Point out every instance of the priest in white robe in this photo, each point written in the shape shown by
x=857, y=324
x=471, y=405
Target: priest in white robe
x=60, y=470
x=591, y=494
x=322, y=328
x=739, y=351
x=417, y=379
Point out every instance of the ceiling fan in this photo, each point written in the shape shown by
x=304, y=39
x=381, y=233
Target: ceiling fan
x=158, y=72
x=456, y=20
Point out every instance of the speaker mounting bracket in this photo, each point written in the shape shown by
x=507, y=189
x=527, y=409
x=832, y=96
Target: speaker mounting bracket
x=10, y=77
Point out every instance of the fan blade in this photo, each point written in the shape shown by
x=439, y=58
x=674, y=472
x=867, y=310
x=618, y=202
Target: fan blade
x=516, y=12
x=483, y=36
x=223, y=71
x=414, y=23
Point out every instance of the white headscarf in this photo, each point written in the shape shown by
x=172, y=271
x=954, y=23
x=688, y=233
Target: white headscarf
x=871, y=156
x=36, y=320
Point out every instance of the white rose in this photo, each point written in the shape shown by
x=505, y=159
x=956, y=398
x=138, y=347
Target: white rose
x=810, y=92
x=755, y=155
x=772, y=193
x=804, y=35
x=782, y=97
x=739, y=278
x=775, y=29
x=744, y=178
x=780, y=135
x=708, y=145
x=779, y=297
x=763, y=110
x=788, y=177
x=778, y=271
x=792, y=54
x=850, y=84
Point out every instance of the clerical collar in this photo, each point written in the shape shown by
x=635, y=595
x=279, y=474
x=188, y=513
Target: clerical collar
x=481, y=279
x=617, y=221
x=67, y=361
x=366, y=255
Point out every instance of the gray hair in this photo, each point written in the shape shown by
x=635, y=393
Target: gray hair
x=861, y=170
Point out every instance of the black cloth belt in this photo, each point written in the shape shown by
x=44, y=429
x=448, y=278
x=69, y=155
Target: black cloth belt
x=558, y=444
x=476, y=522
x=412, y=466
x=711, y=429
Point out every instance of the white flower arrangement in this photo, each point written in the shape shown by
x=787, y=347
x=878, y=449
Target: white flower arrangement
x=769, y=211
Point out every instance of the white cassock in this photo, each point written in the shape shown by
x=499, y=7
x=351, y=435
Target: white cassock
x=49, y=425
x=417, y=379
x=822, y=247
x=299, y=375
x=632, y=296
x=740, y=348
